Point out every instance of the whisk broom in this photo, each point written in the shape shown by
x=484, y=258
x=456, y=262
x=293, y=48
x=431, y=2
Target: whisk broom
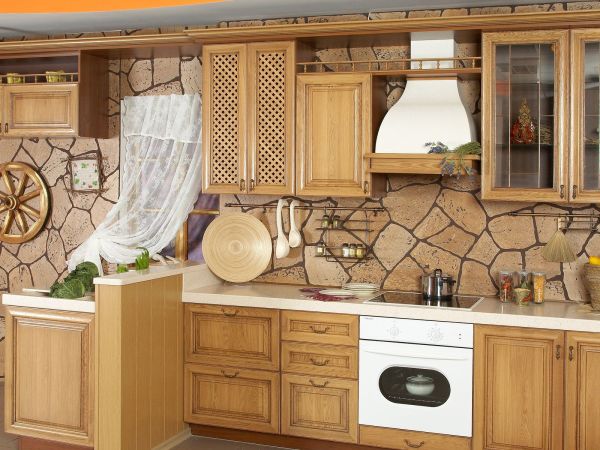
x=557, y=249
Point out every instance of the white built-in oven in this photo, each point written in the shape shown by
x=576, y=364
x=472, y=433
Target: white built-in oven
x=416, y=375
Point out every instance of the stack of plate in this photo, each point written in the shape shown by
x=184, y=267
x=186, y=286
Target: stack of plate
x=361, y=289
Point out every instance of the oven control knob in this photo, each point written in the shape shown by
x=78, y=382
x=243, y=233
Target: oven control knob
x=435, y=334
x=394, y=331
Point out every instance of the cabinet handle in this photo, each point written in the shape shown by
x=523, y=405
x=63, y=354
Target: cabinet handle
x=319, y=363
x=574, y=191
x=571, y=355
x=252, y=184
x=319, y=385
x=558, y=352
x=366, y=187
x=6, y=127
x=228, y=375
x=242, y=185
x=319, y=330
x=411, y=445
x=562, y=191
x=229, y=314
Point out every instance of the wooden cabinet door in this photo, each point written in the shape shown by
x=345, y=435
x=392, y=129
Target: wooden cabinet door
x=232, y=398
x=49, y=375
x=41, y=109
x=232, y=336
x=319, y=328
x=321, y=408
x=333, y=134
x=582, y=430
x=518, y=389
x=319, y=359
x=525, y=116
x=224, y=118
x=271, y=81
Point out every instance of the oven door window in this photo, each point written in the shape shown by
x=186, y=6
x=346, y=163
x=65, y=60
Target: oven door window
x=414, y=386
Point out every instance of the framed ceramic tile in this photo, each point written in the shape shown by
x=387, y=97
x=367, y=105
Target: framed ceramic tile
x=86, y=173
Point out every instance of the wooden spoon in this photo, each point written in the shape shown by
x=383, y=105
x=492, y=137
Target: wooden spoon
x=282, y=246
x=294, y=237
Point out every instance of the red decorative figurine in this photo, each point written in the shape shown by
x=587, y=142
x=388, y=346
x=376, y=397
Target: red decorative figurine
x=523, y=130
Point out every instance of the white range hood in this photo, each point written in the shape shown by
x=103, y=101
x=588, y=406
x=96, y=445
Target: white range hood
x=430, y=109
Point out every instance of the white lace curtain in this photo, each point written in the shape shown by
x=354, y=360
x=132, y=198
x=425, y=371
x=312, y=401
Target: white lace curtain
x=160, y=179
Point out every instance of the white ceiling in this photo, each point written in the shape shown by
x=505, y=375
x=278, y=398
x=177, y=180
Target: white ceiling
x=211, y=13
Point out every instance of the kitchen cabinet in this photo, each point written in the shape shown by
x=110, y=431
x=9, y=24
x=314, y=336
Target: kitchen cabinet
x=325, y=360
x=582, y=391
x=232, y=336
x=405, y=439
x=339, y=329
x=77, y=106
x=50, y=375
x=248, y=118
x=235, y=398
x=518, y=388
x=525, y=116
x=334, y=126
x=320, y=407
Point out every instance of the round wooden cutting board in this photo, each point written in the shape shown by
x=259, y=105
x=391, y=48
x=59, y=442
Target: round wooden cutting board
x=237, y=247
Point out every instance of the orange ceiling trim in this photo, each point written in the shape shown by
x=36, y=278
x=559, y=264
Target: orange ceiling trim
x=70, y=6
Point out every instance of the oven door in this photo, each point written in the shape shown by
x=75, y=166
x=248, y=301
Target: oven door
x=416, y=387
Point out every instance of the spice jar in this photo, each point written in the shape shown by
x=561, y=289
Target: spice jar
x=345, y=250
x=352, y=252
x=539, y=284
x=361, y=251
x=505, y=281
x=321, y=248
x=325, y=222
x=336, y=222
x=524, y=282
x=522, y=296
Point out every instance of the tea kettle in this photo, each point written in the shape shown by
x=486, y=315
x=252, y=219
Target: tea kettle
x=437, y=286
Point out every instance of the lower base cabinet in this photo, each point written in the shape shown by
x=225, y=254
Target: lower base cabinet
x=320, y=408
x=50, y=375
x=230, y=397
x=406, y=440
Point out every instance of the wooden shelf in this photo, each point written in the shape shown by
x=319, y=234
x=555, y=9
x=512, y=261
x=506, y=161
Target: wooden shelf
x=414, y=163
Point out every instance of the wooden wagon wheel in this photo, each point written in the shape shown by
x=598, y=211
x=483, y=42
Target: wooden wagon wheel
x=24, y=203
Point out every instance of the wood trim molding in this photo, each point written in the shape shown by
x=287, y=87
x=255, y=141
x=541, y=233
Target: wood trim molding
x=490, y=22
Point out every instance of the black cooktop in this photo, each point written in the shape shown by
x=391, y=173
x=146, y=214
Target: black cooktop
x=416, y=298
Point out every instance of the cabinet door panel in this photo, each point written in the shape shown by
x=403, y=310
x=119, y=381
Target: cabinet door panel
x=582, y=391
x=224, y=118
x=232, y=336
x=234, y=398
x=34, y=110
x=525, y=116
x=271, y=75
x=334, y=133
x=338, y=329
x=319, y=359
x=518, y=389
x=321, y=408
x=49, y=377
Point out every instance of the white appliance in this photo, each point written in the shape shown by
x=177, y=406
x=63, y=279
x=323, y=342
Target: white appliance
x=435, y=360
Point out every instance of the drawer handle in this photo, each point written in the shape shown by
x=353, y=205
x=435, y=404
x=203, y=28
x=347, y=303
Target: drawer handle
x=571, y=356
x=320, y=330
x=229, y=314
x=319, y=363
x=228, y=375
x=319, y=385
x=558, y=352
x=411, y=445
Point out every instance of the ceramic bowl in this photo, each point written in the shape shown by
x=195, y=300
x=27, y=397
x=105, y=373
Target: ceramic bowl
x=420, y=385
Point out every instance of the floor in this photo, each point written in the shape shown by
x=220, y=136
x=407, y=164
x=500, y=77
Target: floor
x=7, y=441
x=199, y=443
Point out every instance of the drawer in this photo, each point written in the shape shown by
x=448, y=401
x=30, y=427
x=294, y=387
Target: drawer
x=408, y=440
x=338, y=329
x=234, y=398
x=319, y=408
x=232, y=336
x=319, y=359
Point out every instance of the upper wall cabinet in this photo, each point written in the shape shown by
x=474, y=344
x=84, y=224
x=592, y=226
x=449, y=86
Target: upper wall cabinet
x=334, y=134
x=54, y=95
x=248, y=118
x=525, y=81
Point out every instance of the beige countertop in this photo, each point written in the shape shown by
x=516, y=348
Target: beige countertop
x=153, y=273
x=489, y=311
x=39, y=300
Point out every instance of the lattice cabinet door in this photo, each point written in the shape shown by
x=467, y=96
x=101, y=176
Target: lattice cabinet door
x=271, y=80
x=224, y=118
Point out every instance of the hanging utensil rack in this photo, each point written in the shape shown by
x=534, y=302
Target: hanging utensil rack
x=307, y=207
x=570, y=221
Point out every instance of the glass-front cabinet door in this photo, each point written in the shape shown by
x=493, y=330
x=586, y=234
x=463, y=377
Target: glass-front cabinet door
x=585, y=89
x=525, y=78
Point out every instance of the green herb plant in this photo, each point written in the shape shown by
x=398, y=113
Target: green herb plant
x=454, y=163
x=122, y=268
x=77, y=283
x=142, y=262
